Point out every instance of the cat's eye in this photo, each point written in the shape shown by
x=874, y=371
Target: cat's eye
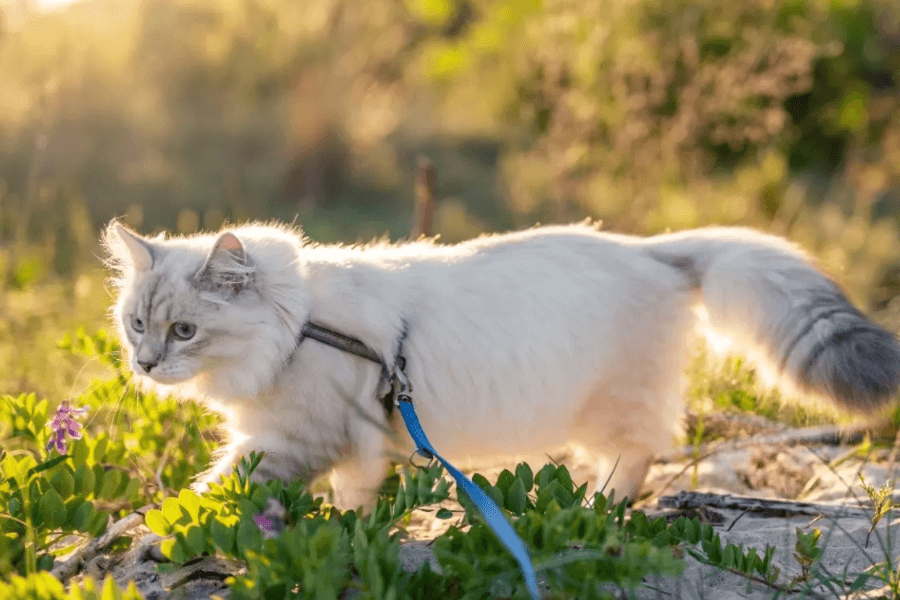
x=183, y=331
x=137, y=324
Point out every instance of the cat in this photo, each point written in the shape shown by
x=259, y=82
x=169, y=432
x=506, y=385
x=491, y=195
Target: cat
x=515, y=344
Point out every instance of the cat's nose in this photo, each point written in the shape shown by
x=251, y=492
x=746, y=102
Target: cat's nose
x=146, y=365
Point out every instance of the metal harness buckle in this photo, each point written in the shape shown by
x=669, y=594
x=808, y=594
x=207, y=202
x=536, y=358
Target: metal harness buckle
x=402, y=389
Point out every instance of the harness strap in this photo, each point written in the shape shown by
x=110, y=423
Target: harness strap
x=339, y=341
x=351, y=345
x=399, y=397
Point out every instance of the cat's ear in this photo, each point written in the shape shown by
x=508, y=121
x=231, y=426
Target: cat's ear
x=227, y=267
x=140, y=252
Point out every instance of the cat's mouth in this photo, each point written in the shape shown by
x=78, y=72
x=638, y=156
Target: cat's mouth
x=162, y=377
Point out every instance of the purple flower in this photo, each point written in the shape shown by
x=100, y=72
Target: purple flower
x=64, y=423
x=271, y=521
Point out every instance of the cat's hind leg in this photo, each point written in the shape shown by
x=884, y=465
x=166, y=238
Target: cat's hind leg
x=356, y=482
x=357, y=477
x=622, y=428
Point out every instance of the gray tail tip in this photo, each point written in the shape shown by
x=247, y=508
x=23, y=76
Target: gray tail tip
x=859, y=369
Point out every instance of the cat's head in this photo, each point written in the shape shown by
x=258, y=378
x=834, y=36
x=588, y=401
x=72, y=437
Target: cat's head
x=206, y=310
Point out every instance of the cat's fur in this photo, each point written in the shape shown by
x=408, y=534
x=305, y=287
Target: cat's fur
x=516, y=344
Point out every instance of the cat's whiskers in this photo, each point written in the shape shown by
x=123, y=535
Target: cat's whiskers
x=120, y=401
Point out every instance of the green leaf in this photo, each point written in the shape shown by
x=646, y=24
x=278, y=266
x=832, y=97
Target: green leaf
x=563, y=477
x=859, y=582
x=80, y=452
x=693, y=530
x=98, y=524
x=84, y=481
x=190, y=502
x=640, y=524
x=443, y=514
x=167, y=547
x=545, y=475
x=45, y=562
x=423, y=490
x=166, y=567
x=523, y=472
x=495, y=494
x=713, y=550
x=132, y=488
x=47, y=464
x=15, y=507
x=53, y=509
x=409, y=489
x=110, y=591
x=64, y=482
x=399, y=506
x=112, y=481
x=157, y=523
x=481, y=481
x=195, y=539
x=258, y=497
x=505, y=480
x=730, y=556
x=84, y=515
x=223, y=536
x=245, y=506
x=580, y=493
x=98, y=452
x=180, y=551
x=248, y=536
x=173, y=512
x=99, y=476
x=516, y=498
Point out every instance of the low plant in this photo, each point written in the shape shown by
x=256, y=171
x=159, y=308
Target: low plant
x=43, y=586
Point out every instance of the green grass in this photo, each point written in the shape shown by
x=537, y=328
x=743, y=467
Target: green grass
x=35, y=318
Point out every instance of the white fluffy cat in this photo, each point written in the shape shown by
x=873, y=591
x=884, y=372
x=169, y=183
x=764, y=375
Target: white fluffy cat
x=515, y=344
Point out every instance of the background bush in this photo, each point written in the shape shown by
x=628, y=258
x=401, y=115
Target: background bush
x=648, y=113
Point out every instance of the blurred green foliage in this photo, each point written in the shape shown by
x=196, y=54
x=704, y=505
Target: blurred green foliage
x=650, y=114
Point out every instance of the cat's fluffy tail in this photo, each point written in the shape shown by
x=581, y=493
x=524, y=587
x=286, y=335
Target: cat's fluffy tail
x=760, y=289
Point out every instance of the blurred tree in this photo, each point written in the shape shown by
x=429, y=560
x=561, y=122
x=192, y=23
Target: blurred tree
x=650, y=114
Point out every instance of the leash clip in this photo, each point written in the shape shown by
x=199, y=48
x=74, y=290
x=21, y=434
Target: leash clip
x=424, y=454
x=401, y=391
x=400, y=382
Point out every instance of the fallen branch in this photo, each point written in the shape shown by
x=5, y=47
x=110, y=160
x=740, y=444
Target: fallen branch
x=66, y=569
x=761, y=506
x=826, y=434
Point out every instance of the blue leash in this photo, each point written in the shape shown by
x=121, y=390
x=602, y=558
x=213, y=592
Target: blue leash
x=402, y=400
x=488, y=508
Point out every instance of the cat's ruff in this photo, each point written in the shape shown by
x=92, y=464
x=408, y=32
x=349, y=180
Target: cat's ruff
x=518, y=343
